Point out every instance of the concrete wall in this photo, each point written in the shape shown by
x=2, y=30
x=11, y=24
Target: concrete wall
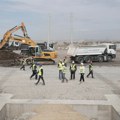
x=16, y=110
x=114, y=114
x=3, y=113
x=95, y=112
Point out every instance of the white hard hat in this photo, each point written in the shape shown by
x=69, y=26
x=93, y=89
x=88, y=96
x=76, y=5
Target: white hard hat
x=73, y=62
x=82, y=64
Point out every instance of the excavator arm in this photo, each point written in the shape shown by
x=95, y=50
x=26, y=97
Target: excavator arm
x=23, y=40
x=33, y=48
x=8, y=35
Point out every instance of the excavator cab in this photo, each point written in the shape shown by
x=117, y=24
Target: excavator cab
x=35, y=51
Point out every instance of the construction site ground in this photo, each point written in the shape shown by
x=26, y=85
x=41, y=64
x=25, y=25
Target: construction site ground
x=17, y=82
x=106, y=81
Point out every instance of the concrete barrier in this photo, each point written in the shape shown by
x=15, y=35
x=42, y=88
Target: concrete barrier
x=24, y=109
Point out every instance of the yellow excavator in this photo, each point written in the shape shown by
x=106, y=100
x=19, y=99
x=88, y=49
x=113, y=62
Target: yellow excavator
x=34, y=50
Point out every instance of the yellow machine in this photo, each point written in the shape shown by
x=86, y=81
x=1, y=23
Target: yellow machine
x=34, y=50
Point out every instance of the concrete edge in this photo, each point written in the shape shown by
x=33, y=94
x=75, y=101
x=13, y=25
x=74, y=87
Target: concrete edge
x=114, y=100
x=4, y=98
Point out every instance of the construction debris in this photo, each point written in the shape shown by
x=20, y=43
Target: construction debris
x=9, y=58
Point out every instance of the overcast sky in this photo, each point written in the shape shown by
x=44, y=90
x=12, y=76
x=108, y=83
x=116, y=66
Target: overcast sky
x=91, y=19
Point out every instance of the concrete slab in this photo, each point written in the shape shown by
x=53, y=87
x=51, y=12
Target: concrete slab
x=114, y=100
x=4, y=98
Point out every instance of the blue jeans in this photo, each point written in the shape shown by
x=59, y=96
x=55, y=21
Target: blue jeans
x=60, y=74
x=64, y=78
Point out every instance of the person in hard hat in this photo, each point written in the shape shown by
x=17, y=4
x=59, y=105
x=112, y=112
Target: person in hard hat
x=64, y=69
x=60, y=69
x=73, y=69
x=82, y=72
x=32, y=62
x=90, y=69
x=23, y=64
x=34, y=70
x=40, y=74
x=65, y=61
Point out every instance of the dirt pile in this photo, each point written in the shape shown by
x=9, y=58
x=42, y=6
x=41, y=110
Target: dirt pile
x=8, y=58
x=8, y=55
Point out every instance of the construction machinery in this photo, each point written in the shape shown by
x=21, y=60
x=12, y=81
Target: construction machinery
x=102, y=52
x=33, y=50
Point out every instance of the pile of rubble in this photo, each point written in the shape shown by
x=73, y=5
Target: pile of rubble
x=8, y=58
x=8, y=55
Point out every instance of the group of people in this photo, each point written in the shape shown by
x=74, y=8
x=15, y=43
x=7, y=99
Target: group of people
x=62, y=66
x=37, y=71
x=73, y=68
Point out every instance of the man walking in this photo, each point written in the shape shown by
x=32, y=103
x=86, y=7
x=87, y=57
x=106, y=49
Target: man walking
x=65, y=61
x=60, y=69
x=40, y=75
x=73, y=69
x=23, y=64
x=34, y=70
x=90, y=70
x=64, y=69
x=82, y=72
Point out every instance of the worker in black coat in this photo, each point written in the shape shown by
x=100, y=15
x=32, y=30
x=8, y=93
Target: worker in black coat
x=34, y=70
x=90, y=69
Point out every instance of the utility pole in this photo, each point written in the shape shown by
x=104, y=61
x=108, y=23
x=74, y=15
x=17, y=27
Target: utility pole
x=49, y=31
x=71, y=27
